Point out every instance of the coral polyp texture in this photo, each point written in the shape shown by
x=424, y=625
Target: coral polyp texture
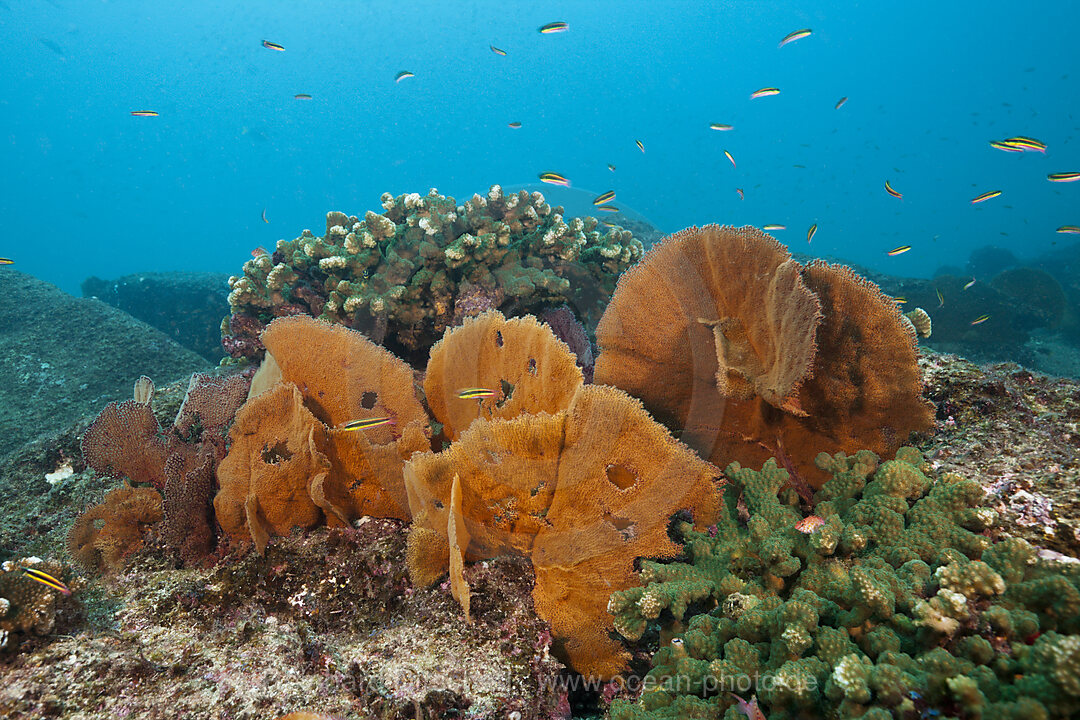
x=897, y=605
x=750, y=355
x=405, y=275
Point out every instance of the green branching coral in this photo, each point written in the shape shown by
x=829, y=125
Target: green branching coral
x=898, y=606
x=407, y=274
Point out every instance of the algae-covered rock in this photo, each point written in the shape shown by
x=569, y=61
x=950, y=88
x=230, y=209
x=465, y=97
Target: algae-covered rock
x=914, y=612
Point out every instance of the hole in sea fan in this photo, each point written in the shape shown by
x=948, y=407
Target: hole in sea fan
x=439, y=505
x=507, y=392
x=621, y=476
x=98, y=523
x=368, y=400
x=623, y=525
x=498, y=338
x=532, y=366
x=277, y=453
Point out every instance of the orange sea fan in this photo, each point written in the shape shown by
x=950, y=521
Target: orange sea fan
x=582, y=492
x=751, y=355
x=520, y=359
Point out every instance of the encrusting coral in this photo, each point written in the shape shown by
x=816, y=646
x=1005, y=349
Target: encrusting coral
x=897, y=605
x=102, y=536
x=404, y=276
x=581, y=492
x=519, y=360
x=752, y=355
x=27, y=606
x=126, y=440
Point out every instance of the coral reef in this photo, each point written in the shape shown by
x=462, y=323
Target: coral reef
x=897, y=603
x=581, y=492
x=520, y=360
x=26, y=606
x=752, y=355
x=324, y=623
x=105, y=534
x=404, y=276
x=126, y=440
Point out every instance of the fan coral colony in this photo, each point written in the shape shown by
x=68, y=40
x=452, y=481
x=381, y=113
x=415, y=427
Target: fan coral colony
x=722, y=517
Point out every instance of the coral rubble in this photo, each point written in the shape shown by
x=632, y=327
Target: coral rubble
x=404, y=276
x=897, y=603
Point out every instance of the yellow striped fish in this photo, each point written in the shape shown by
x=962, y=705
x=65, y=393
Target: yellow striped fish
x=980, y=320
x=840, y=102
x=889, y=189
x=144, y=113
x=46, y=579
x=640, y=145
x=793, y=36
x=515, y=125
x=554, y=27
x=1063, y=177
x=720, y=126
x=366, y=424
x=774, y=227
x=554, y=178
x=811, y=232
x=273, y=46
x=898, y=250
x=764, y=92
x=9, y=261
x=985, y=196
x=301, y=96
x=728, y=156
x=477, y=393
x=497, y=51
x=604, y=198
x=402, y=75
x=1065, y=229
x=607, y=208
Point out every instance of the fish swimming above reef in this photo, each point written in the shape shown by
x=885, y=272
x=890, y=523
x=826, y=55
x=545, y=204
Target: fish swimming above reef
x=46, y=579
x=475, y=393
x=367, y=423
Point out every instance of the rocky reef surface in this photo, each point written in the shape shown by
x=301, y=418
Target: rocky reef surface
x=64, y=357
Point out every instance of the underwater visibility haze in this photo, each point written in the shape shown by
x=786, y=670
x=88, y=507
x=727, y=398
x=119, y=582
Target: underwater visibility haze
x=534, y=361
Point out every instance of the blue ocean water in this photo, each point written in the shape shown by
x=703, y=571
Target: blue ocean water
x=87, y=188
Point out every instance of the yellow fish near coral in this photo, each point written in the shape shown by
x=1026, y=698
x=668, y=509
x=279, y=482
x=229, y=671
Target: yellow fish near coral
x=46, y=579
x=366, y=423
x=475, y=393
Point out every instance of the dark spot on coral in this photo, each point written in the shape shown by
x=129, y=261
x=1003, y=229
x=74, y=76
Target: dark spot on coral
x=278, y=453
x=498, y=338
x=368, y=400
x=439, y=505
x=537, y=489
x=621, y=476
x=507, y=393
x=532, y=366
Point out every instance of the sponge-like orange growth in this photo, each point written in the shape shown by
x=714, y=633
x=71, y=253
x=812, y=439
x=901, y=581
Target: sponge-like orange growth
x=752, y=355
x=343, y=376
x=274, y=460
x=520, y=360
x=102, y=536
x=582, y=492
